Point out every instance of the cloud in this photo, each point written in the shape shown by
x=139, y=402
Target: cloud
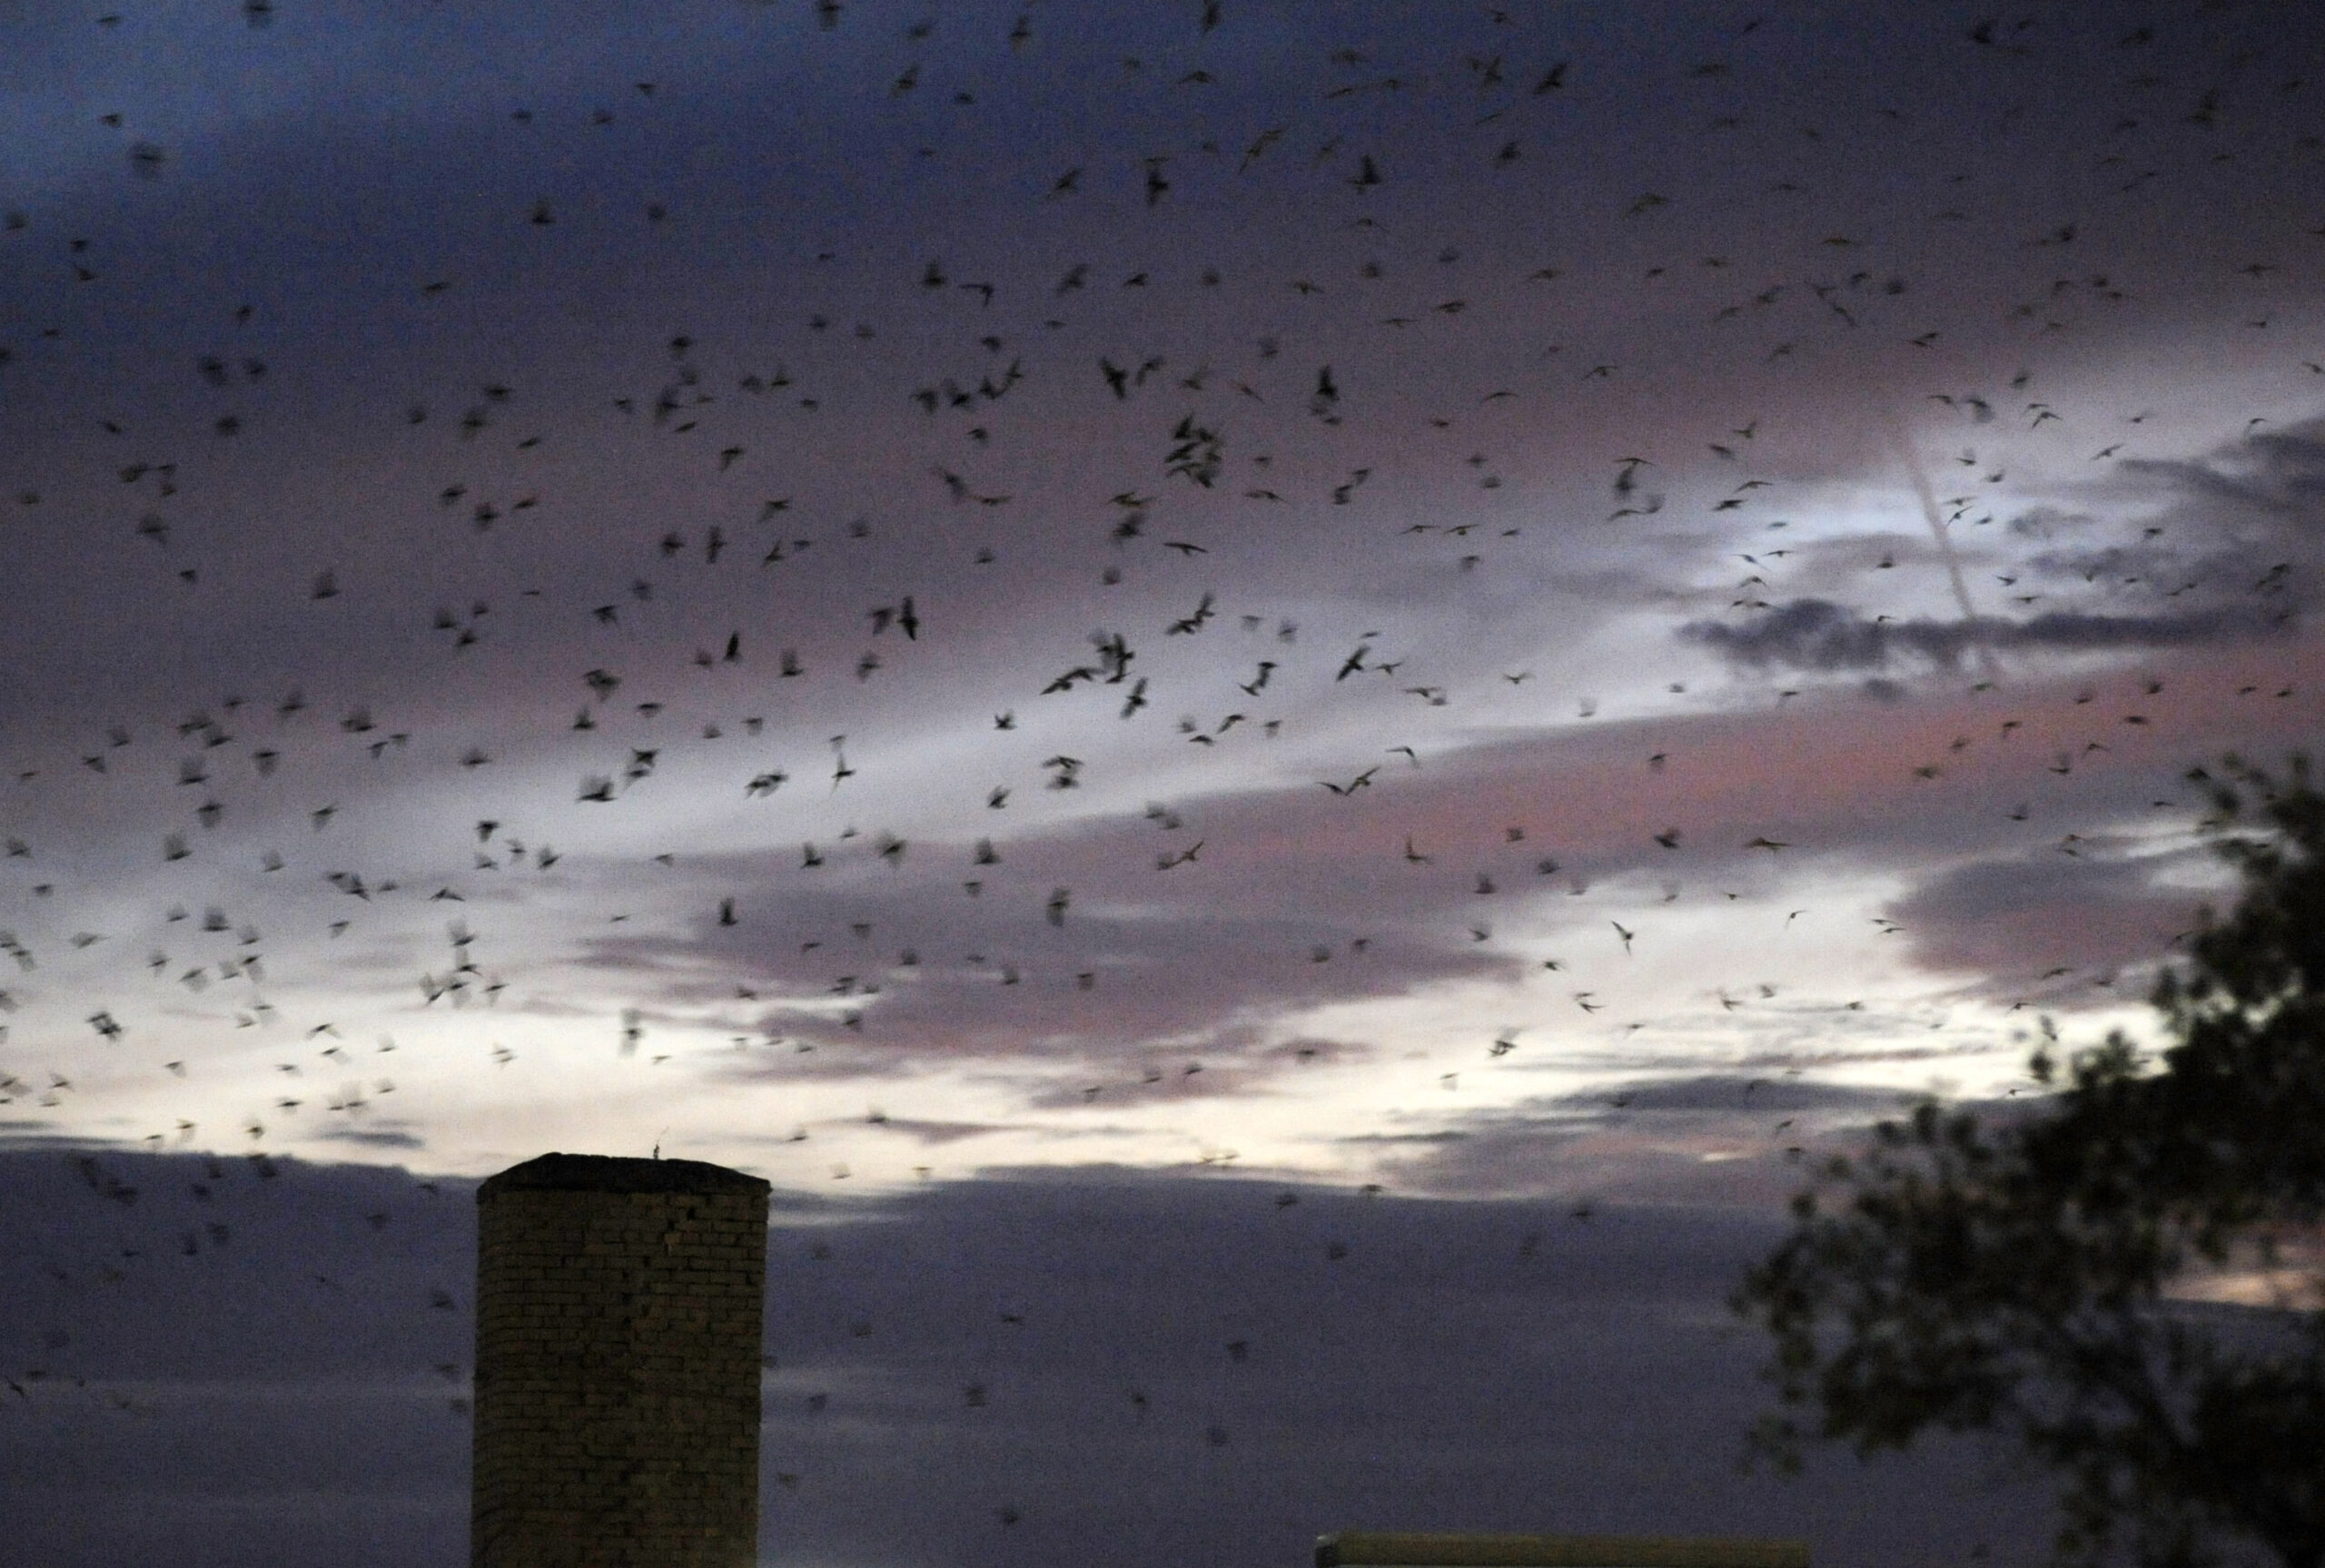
x=1164, y=1369
x=2050, y=926
x=2229, y=548
x=1737, y=1140
x=1821, y=636
x=904, y=966
x=374, y=1137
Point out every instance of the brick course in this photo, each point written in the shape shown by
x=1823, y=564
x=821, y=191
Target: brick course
x=619, y=1312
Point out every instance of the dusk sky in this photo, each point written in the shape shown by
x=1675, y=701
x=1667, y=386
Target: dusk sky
x=1045, y=619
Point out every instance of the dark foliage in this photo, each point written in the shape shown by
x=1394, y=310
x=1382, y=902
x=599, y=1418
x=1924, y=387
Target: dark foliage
x=2013, y=1277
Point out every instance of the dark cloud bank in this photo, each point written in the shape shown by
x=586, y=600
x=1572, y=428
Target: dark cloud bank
x=211, y=1364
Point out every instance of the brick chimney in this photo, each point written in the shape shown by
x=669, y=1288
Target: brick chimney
x=618, y=1323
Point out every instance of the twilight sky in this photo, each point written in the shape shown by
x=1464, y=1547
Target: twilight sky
x=1533, y=605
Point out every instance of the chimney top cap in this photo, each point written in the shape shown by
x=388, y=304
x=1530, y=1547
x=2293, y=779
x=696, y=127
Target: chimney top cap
x=607, y=1173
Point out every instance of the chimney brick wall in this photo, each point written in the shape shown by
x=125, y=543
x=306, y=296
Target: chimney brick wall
x=619, y=1313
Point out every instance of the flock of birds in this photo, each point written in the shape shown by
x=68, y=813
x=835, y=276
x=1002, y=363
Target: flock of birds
x=1042, y=449
x=691, y=400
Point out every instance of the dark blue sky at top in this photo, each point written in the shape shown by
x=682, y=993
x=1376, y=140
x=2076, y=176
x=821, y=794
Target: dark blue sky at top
x=325, y=173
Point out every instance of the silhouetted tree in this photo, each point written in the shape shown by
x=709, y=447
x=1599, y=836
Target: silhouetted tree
x=2011, y=1278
